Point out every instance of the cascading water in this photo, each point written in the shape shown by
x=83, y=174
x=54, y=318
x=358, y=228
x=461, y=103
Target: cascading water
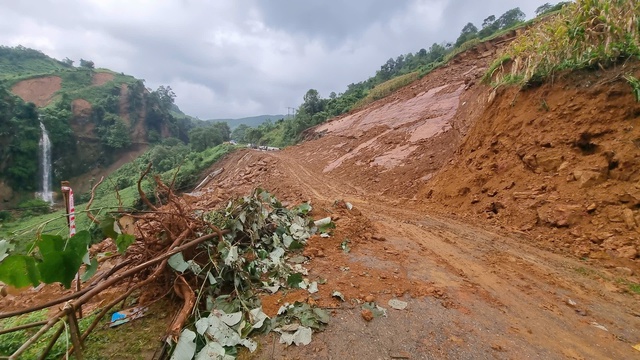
x=45, y=166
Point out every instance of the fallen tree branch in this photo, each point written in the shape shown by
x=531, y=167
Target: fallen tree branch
x=145, y=265
x=93, y=195
x=51, y=323
x=143, y=196
x=74, y=329
x=65, y=298
x=184, y=291
x=22, y=327
x=118, y=197
x=87, y=295
x=120, y=298
x=52, y=342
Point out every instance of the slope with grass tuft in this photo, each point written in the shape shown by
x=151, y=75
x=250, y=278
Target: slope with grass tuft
x=584, y=34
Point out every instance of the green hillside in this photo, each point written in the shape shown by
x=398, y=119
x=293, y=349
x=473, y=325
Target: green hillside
x=21, y=62
x=253, y=121
x=94, y=117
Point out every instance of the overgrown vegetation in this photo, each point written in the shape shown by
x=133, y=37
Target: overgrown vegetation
x=584, y=34
x=635, y=86
x=9, y=343
x=241, y=250
x=172, y=160
x=123, y=113
x=387, y=88
x=19, y=136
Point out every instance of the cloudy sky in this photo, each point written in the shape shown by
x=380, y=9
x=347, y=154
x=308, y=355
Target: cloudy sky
x=237, y=58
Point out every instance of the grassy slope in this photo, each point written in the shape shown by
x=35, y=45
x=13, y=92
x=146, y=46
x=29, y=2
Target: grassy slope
x=17, y=64
x=584, y=34
x=253, y=121
x=23, y=231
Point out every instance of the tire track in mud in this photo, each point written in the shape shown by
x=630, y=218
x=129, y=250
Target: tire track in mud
x=524, y=296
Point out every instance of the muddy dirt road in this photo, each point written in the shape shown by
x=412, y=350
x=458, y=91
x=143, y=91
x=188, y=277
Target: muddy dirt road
x=471, y=293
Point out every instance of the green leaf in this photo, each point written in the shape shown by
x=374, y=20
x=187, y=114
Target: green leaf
x=296, y=245
x=79, y=244
x=321, y=315
x=303, y=208
x=90, y=270
x=212, y=350
x=50, y=244
x=345, y=246
x=326, y=228
x=294, y=280
x=232, y=256
x=60, y=265
x=123, y=241
x=19, y=271
x=110, y=227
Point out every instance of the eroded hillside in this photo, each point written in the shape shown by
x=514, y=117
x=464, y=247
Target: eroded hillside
x=552, y=168
x=470, y=221
x=97, y=120
x=559, y=162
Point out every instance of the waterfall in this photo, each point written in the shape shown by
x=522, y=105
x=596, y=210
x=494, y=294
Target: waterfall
x=45, y=166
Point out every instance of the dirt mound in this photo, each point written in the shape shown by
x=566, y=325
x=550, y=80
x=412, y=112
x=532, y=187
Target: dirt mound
x=81, y=107
x=559, y=162
x=395, y=145
x=81, y=122
x=39, y=91
x=101, y=78
x=455, y=277
x=554, y=169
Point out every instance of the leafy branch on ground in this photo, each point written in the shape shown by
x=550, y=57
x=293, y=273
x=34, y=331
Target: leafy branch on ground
x=222, y=260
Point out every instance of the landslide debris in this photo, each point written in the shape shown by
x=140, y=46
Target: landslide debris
x=559, y=162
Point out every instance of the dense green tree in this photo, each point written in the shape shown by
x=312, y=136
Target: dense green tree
x=312, y=102
x=205, y=137
x=488, y=21
x=468, y=32
x=548, y=8
x=223, y=129
x=166, y=157
x=19, y=136
x=166, y=97
x=159, y=117
x=511, y=18
x=238, y=134
x=87, y=64
x=116, y=134
x=253, y=135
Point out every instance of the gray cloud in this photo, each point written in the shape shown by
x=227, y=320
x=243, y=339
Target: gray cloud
x=242, y=58
x=332, y=22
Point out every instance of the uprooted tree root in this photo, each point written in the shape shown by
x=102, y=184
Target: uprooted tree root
x=145, y=262
x=219, y=260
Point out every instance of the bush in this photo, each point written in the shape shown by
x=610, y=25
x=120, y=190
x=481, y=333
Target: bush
x=35, y=206
x=5, y=215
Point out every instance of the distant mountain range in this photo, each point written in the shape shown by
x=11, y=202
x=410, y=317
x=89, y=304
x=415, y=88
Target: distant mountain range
x=252, y=121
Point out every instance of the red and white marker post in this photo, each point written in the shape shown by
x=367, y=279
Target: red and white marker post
x=67, y=194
